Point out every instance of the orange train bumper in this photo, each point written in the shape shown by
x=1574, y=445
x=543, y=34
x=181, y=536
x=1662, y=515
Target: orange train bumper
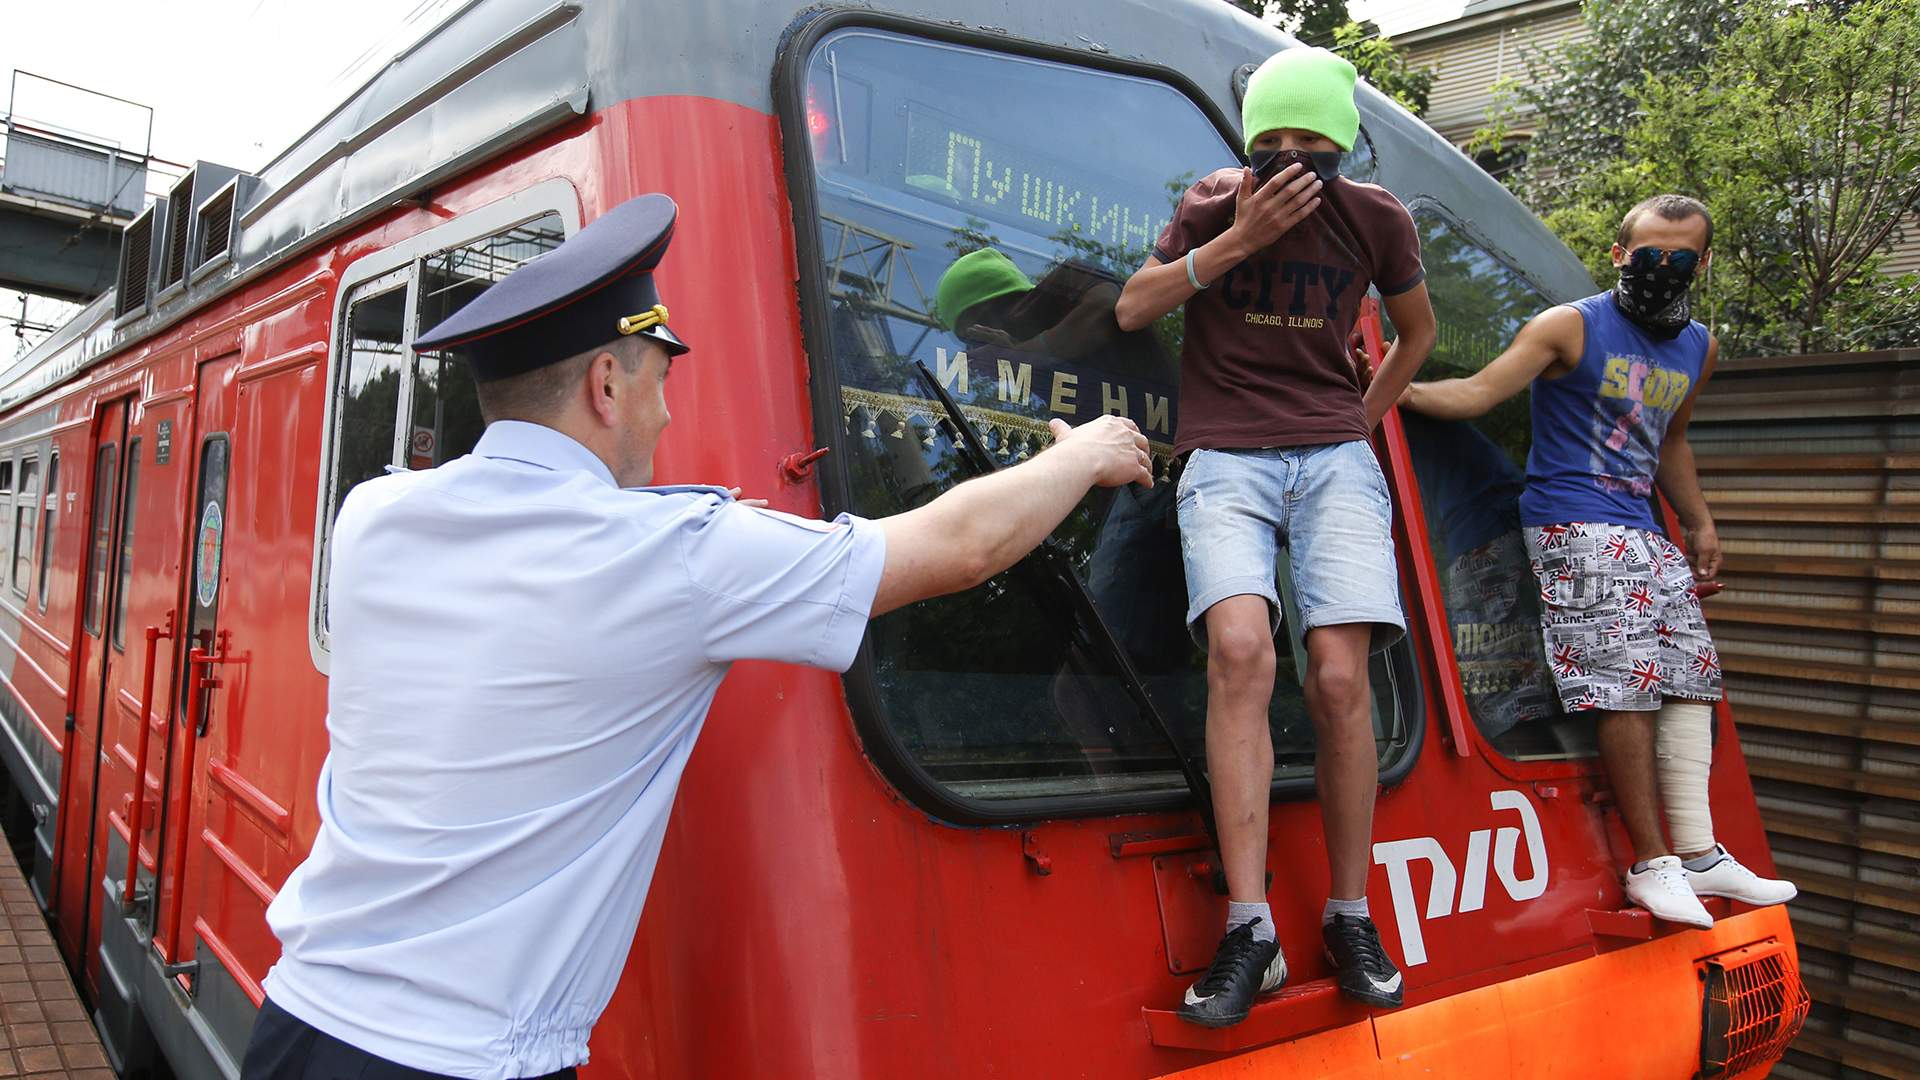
x=1631, y=1011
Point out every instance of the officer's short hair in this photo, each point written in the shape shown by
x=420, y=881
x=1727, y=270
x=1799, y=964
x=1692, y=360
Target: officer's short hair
x=541, y=393
x=1671, y=207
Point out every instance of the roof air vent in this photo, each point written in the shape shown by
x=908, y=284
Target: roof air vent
x=136, y=261
x=214, y=222
x=173, y=268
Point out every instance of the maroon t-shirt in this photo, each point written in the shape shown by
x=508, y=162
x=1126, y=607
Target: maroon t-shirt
x=1265, y=356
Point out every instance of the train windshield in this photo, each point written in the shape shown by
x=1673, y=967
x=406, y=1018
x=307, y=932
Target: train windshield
x=979, y=212
x=1470, y=476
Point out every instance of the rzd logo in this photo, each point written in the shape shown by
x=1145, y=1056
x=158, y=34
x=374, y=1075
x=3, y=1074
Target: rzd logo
x=1396, y=854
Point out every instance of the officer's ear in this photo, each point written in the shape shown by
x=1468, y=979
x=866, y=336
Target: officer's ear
x=604, y=386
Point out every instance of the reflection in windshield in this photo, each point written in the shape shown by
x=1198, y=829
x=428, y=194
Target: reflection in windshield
x=1471, y=474
x=979, y=214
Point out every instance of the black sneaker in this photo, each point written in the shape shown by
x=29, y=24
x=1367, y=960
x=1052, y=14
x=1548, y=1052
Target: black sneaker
x=1365, y=973
x=1243, y=966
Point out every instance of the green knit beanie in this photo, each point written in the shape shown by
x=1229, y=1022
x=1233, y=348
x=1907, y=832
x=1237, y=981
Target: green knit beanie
x=1309, y=89
x=974, y=278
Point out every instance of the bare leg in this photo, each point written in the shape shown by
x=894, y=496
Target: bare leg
x=1346, y=766
x=1626, y=749
x=1239, y=743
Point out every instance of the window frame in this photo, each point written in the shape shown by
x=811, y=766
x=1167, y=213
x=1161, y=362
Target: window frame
x=9, y=480
x=876, y=736
x=553, y=196
x=1445, y=661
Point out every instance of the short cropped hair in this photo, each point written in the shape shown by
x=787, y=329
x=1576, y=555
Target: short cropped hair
x=1671, y=207
x=541, y=394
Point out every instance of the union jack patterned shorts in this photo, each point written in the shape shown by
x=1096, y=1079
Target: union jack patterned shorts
x=1623, y=625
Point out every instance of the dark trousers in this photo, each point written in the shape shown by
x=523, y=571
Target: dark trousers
x=285, y=1047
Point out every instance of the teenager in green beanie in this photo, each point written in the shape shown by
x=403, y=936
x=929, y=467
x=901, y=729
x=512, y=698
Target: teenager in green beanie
x=1271, y=263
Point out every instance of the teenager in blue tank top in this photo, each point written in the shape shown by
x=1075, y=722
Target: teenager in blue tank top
x=1613, y=378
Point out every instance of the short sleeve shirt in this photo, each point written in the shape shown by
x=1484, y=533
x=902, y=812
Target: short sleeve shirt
x=1264, y=361
x=522, y=657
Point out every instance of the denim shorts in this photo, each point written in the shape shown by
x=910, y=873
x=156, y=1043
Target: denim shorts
x=1328, y=505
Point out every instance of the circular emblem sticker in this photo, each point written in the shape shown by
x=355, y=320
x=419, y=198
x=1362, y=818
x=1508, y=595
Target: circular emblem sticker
x=206, y=577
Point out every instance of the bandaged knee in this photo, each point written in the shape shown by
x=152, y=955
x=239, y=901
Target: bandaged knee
x=1683, y=747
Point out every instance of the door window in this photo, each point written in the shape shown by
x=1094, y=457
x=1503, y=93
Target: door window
x=103, y=475
x=25, y=517
x=1055, y=180
x=48, y=515
x=129, y=507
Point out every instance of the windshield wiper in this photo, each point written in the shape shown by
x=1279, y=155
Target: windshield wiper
x=1056, y=569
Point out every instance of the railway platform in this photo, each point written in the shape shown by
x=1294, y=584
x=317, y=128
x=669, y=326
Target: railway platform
x=46, y=1032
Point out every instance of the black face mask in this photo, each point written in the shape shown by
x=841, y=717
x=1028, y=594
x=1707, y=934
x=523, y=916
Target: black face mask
x=1656, y=298
x=1267, y=163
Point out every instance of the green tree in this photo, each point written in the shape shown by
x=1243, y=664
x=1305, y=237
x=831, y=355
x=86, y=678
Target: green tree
x=1328, y=24
x=1795, y=122
x=1803, y=134
x=1580, y=94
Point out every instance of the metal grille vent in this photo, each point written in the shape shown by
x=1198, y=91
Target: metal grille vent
x=216, y=227
x=179, y=214
x=136, y=263
x=1754, y=1005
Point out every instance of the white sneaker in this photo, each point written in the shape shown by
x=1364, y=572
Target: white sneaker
x=1662, y=889
x=1730, y=879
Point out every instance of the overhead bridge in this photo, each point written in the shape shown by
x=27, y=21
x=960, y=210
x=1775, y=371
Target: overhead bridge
x=63, y=201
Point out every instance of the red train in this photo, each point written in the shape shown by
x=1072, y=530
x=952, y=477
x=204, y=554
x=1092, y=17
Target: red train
x=970, y=856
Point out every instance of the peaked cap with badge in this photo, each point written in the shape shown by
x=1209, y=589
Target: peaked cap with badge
x=593, y=289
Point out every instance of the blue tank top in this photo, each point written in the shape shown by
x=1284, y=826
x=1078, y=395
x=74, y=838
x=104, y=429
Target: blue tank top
x=1597, y=430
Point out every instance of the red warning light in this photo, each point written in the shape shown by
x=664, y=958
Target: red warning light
x=817, y=121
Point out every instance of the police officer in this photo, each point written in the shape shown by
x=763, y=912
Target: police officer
x=525, y=643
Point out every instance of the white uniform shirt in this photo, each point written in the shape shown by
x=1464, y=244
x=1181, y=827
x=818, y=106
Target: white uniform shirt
x=523, y=654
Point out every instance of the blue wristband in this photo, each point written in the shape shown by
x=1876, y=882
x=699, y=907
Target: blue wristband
x=1193, y=278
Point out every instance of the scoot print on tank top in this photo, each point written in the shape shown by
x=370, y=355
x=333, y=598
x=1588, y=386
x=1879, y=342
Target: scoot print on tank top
x=1597, y=430
x=1636, y=399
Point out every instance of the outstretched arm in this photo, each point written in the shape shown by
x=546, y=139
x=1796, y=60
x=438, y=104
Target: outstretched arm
x=1680, y=482
x=989, y=523
x=1553, y=339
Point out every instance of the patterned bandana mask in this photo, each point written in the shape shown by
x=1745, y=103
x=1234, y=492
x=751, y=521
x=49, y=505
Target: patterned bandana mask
x=1268, y=163
x=1656, y=300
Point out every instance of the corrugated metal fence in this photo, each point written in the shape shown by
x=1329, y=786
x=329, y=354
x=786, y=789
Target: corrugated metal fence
x=1812, y=467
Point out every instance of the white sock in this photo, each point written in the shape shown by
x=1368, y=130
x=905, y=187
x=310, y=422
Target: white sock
x=1353, y=908
x=1683, y=760
x=1239, y=914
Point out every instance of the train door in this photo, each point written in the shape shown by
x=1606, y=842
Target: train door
x=204, y=695
x=77, y=859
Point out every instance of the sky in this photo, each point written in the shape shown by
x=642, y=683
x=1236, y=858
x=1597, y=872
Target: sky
x=228, y=81
x=236, y=81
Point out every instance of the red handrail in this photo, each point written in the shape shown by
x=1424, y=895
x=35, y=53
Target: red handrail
x=154, y=634
x=192, y=729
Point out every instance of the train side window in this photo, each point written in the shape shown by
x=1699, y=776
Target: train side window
x=1470, y=476
x=924, y=154
x=103, y=472
x=24, y=519
x=446, y=414
x=372, y=346
x=48, y=516
x=129, y=514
